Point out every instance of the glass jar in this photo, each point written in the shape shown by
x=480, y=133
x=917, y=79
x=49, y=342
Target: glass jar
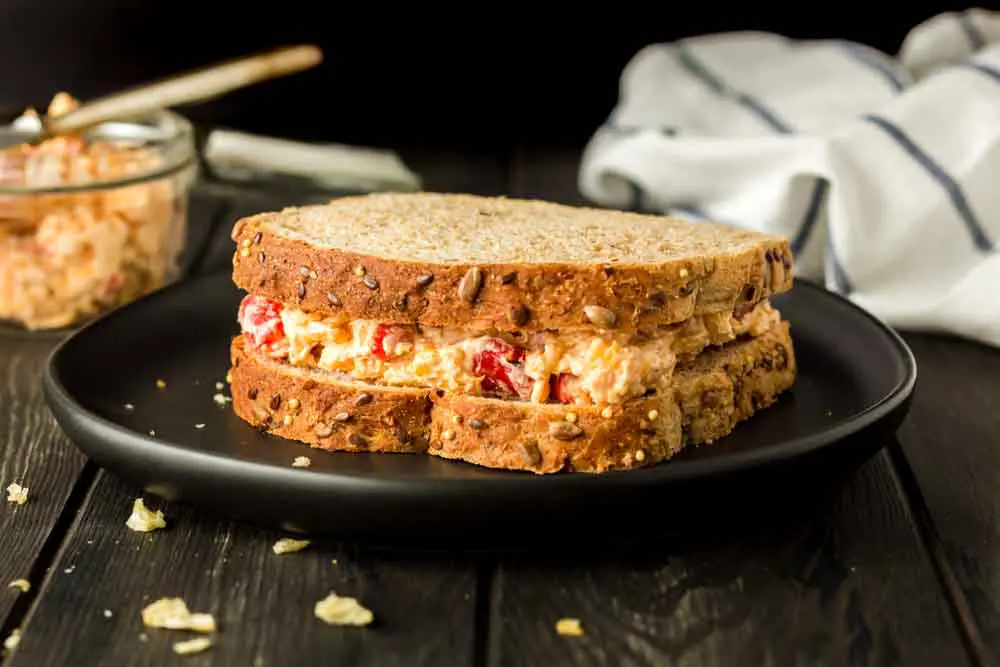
x=91, y=222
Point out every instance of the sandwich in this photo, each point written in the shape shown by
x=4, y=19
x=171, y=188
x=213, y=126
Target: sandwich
x=508, y=333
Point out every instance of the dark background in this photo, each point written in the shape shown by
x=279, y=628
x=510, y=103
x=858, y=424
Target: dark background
x=476, y=78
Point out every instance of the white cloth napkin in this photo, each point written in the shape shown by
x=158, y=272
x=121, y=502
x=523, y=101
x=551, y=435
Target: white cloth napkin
x=884, y=172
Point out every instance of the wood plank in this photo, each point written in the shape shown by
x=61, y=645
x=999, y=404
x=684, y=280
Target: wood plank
x=952, y=442
x=33, y=453
x=844, y=581
x=846, y=585
x=263, y=602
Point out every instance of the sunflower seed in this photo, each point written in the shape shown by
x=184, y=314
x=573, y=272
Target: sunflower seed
x=564, y=430
x=364, y=399
x=469, y=286
x=519, y=315
x=424, y=280
x=370, y=282
x=600, y=316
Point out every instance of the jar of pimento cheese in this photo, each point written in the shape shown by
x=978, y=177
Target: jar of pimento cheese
x=90, y=222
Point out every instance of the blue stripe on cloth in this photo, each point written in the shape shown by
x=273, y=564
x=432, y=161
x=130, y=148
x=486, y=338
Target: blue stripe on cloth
x=698, y=69
x=841, y=282
x=979, y=236
x=637, y=197
x=877, y=62
x=991, y=72
x=972, y=32
x=813, y=210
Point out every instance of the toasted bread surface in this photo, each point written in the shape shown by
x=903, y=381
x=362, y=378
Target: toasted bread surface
x=500, y=263
x=711, y=395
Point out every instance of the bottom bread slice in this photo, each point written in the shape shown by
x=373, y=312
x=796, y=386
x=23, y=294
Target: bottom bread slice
x=708, y=398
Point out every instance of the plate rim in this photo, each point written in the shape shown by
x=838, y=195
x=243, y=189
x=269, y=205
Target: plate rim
x=67, y=409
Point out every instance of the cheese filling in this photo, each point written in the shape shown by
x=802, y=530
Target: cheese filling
x=584, y=367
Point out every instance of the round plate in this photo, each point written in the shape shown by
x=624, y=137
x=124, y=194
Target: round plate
x=855, y=380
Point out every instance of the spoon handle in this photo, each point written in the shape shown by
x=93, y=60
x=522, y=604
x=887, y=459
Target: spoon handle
x=196, y=86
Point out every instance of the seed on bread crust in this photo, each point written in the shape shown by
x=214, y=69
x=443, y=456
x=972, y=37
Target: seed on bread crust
x=519, y=315
x=508, y=278
x=261, y=257
x=357, y=439
x=363, y=399
x=448, y=434
x=370, y=282
x=342, y=417
x=477, y=424
x=333, y=299
x=304, y=271
x=564, y=430
x=302, y=290
x=600, y=316
x=275, y=402
x=252, y=393
x=402, y=303
x=257, y=238
x=359, y=271
x=530, y=452
x=470, y=285
x=424, y=280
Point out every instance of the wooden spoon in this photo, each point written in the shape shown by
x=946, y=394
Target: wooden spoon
x=195, y=86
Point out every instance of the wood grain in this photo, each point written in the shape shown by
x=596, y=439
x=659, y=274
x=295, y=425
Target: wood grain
x=951, y=440
x=33, y=453
x=845, y=583
x=263, y=602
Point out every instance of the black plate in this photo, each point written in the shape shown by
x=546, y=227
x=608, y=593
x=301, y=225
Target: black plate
x=855, y=382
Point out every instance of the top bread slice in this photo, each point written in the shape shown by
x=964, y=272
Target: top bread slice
x=455, y=260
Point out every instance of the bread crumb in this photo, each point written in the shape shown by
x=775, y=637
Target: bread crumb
x=286, y=545
x=569, y=627
x=336, y=610
x=221, y=399
x=144, y=520
x=653, y=414
x=129, y=407
x=219, y=386
x=229, y=378
x=173, y=614
x=199, y=426
x=160, y=384
x=23, y=584
x=196, y=645
x=301, y=462
x=107, y=613
x=17, y=494
x=293, y=404
x=13, y=640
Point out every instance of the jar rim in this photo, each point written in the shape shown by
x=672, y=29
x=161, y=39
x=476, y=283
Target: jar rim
x=170, y=134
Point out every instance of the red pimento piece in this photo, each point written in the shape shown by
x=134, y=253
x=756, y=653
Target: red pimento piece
x=559, y=387
x=386, y=337
x=260, y=320
x=498, y=364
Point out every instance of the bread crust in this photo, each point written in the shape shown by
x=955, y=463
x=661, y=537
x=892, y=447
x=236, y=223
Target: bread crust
x=710, y=396
x=508, y=296
x=318, y=409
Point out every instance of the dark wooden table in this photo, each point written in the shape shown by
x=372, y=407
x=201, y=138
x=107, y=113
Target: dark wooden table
x=898, y=565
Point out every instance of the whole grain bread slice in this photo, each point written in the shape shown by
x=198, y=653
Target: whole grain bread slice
x=711, y=395
x=493, y=262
